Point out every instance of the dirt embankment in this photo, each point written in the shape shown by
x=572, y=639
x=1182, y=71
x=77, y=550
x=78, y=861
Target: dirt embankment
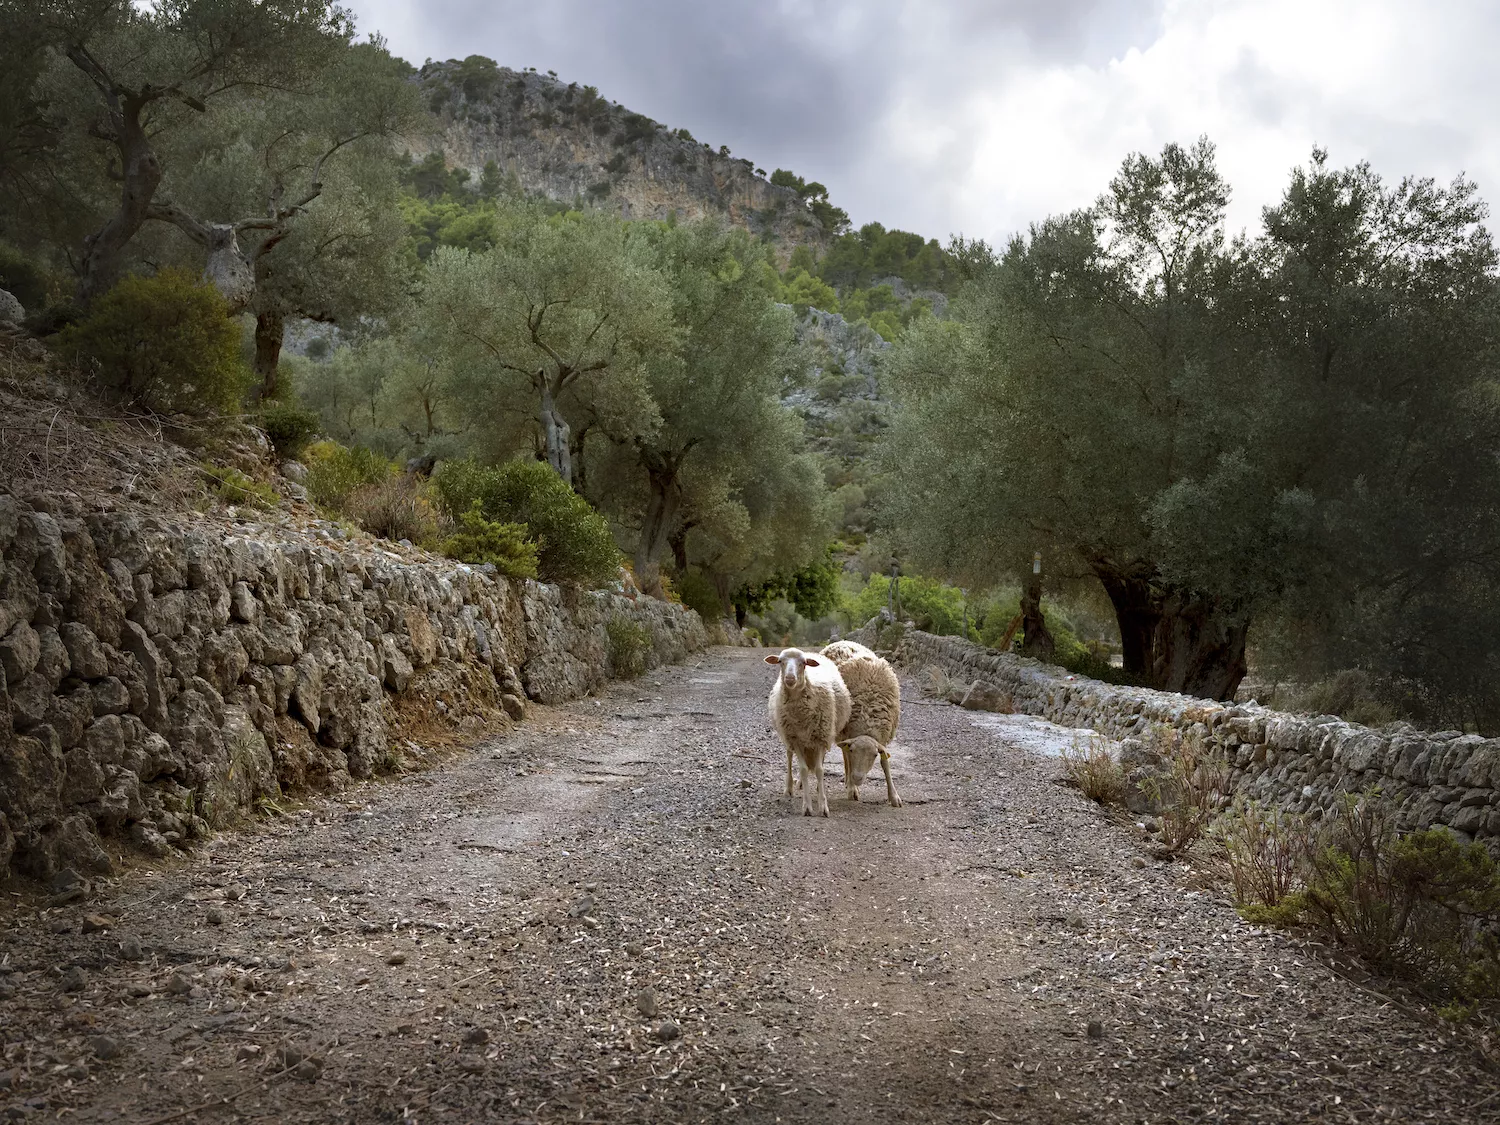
x=612, y=914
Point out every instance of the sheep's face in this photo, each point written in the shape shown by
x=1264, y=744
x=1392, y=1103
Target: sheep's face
x=864, y=752
x=794, y=664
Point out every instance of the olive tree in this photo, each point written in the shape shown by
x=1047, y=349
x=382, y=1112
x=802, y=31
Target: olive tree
x=716, y=393
x=1214, y=430
x=564, y=308
x=125, y=77
x=292, y=198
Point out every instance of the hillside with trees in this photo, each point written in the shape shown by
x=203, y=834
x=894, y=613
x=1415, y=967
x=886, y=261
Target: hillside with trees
x=1268, y=454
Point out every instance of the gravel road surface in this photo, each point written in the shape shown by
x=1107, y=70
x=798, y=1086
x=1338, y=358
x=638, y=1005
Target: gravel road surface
x=614, y=915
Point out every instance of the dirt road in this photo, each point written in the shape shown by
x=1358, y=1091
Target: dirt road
x=614, y=915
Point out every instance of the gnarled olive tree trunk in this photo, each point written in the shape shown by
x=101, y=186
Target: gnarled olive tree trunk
x=661, y=519
x=1036, y=641
x=1176, y=640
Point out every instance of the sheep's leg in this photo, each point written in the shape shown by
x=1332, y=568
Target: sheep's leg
x=822, y=789
x=788, y=771
x=807, y=790
x=891, y=796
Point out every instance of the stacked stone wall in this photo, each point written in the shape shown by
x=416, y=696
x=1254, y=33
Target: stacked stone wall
x=160, y=676
x=1304, y=763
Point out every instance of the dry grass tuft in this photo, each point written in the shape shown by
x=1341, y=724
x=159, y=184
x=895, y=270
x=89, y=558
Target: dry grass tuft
x=57, y=438
x=1094, y=770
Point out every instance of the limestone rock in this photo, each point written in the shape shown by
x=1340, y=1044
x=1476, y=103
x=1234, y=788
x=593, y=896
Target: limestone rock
x=20, y=650
x=11, y=310
x=85, y=651
x=983, y=696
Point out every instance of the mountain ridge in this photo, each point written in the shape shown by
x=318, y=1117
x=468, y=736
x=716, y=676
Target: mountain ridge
x=566, y=142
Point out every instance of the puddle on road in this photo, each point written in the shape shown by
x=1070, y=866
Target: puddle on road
x=1027, y=732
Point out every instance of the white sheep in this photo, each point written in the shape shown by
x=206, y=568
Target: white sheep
x=809, y=705
x=875, y=711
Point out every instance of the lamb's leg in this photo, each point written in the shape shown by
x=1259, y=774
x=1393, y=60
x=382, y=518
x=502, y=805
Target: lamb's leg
x=891, y=796
x=850, y=789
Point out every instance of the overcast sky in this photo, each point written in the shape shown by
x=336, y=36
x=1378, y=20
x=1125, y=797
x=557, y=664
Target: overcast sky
x=980, y=116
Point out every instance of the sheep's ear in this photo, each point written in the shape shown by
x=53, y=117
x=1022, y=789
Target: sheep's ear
x=773, y=659
x=811, y=661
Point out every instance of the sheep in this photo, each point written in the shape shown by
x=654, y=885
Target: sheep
x=875, y=710
x=809, y=704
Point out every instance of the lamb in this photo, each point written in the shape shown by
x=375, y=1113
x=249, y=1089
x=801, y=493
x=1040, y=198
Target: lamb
x=809, y=705
x=875, y=710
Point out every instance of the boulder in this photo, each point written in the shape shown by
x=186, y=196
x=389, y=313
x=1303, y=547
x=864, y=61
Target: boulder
x=11, y=311
x=983, y=696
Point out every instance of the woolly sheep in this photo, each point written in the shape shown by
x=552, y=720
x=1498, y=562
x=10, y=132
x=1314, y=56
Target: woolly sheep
x=809, y=705
x=875, y=711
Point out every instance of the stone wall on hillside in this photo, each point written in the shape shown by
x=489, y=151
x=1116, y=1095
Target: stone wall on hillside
x=1304, y=763
x=159, y=677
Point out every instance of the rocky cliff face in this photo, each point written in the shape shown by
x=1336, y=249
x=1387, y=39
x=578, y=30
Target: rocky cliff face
x=565, y=142
x=160, y=675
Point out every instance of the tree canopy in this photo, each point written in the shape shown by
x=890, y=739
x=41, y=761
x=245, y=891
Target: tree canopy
x=1219, y=431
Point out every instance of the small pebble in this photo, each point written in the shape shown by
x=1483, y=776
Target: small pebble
x=236, y=891
x=214, y=916
x=247, y=1051
x=471, y=1065
x=74, y=980
x=476, y=1035
x=308, y=1069
x=667, y=1030
x=645, y=1002
x=130, y=948
x=93, y=923
x=632, y=949
x=105, y=1047
x=1096, y=1029
x=177, y=985
x=396, y=959
x=1137, y=861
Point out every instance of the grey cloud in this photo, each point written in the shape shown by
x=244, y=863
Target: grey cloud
x=804, y=84
x=885, y=101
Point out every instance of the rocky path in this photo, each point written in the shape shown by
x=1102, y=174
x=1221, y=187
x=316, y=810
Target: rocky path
x=614, y=916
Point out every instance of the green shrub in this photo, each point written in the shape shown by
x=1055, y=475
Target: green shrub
x=697, y=592
x=230, y=486
x=933, y=606
x=23, y=278
x=504, y=545
x=393, y=508
x=165, y=343
x=289, y=427
x=1351, y=694
x=334, y=472
x=1421, y=906
x=629, y=645
x=574, y=541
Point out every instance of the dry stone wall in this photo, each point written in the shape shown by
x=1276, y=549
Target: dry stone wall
x=1304, y=763
x=159, y=677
